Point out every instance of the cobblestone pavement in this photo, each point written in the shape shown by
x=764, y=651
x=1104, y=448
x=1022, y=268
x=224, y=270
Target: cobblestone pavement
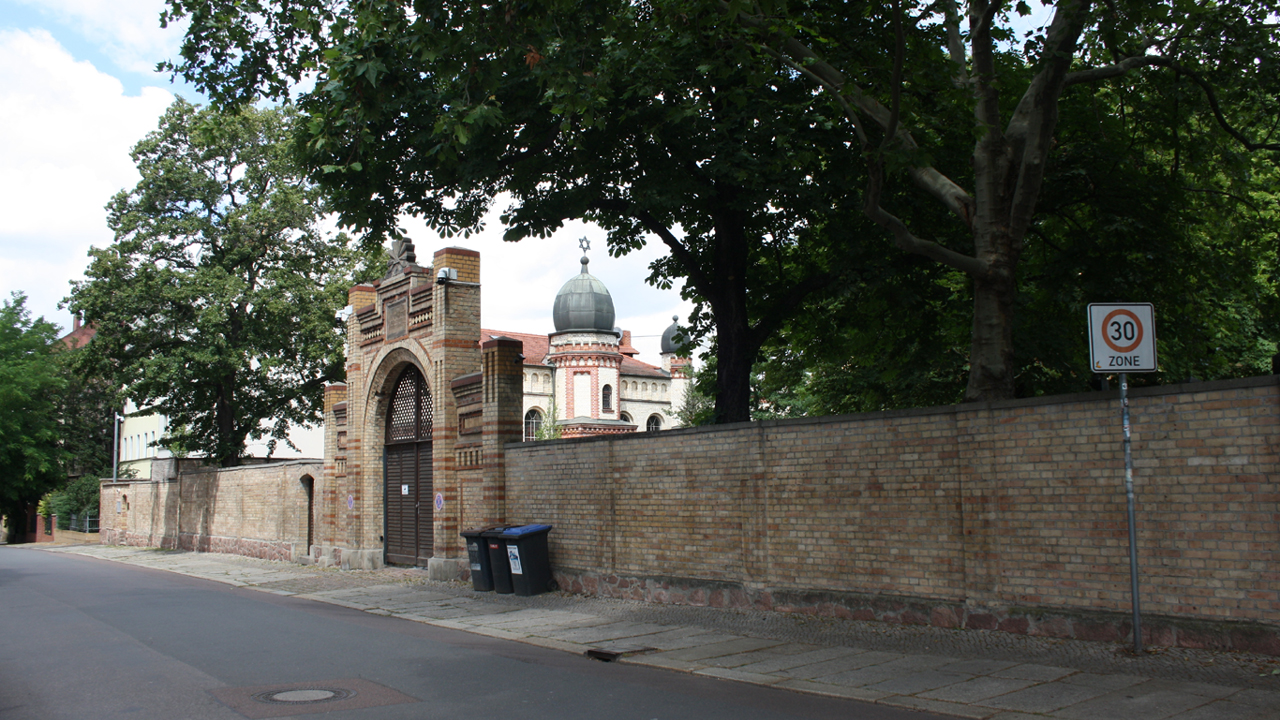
x=966, y=673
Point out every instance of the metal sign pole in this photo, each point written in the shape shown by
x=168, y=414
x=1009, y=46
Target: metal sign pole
x=115, y=447
x=1133, y=525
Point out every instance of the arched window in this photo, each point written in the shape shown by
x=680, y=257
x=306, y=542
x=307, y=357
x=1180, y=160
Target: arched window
x=653, y=424
x=532, y=424
x=606, y=398
x=624, y=417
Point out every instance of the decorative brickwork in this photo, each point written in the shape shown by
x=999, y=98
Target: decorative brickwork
x=1004, y=515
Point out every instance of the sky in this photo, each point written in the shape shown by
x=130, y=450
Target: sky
x=78, y=88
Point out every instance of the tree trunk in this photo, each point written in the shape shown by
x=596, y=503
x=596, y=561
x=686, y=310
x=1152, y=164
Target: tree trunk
x=991, y=365
x=736, y=343
x=734, y=360
x=225, y=419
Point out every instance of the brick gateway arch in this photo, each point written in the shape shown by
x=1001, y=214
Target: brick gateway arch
x=415, y=439
x=407, y=472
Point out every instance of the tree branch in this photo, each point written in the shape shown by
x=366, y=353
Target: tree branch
x=1035, y=119
x=679, y=251
x=1133, y=63
x=895, y=102
x=803, y=60
x=905, y=240
x=987, y=108
x=955, y=43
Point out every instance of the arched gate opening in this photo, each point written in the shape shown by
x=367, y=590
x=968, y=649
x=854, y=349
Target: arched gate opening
x=407, y=472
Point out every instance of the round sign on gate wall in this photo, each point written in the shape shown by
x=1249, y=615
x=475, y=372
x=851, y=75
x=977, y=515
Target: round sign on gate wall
x=1122, y=338
x=439, y=502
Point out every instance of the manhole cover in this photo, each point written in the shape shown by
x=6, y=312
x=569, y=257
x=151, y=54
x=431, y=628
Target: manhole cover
x=303, y=695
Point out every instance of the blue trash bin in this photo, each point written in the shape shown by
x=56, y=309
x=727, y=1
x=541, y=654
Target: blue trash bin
x=528, y=559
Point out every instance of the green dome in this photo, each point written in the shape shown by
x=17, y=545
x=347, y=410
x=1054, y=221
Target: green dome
x=583, y=304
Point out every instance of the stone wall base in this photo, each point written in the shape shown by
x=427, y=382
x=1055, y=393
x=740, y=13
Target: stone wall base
x=263, y=549
x=341, y=557
x=446, y=569
x=1036, y=621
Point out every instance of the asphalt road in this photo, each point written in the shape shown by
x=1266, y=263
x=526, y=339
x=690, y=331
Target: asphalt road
x=83, y=638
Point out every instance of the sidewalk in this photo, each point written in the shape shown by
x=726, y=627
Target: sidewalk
x=965, y=673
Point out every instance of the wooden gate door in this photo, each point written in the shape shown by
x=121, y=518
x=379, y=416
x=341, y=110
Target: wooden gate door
x=407, y=472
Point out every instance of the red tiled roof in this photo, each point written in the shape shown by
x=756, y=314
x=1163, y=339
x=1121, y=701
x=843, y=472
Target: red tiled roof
x=536, y=348
x=632, y=366
x=79, y=337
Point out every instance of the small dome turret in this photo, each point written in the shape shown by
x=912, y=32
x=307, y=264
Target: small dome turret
x=583, y=304
x=669, y=343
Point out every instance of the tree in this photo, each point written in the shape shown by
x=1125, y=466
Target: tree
x=648, y=127
x=1131, y=212
x=29, y=381
x=216, y=304
x=1228, y=51
x=436, y=109
x=86, y=409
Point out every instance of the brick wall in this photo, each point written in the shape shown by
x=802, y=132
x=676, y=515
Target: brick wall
x=1005, y=515
x=259, y=510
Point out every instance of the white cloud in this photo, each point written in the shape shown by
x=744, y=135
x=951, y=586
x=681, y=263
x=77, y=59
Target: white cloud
x=127, y=31
x=519, y=281
x=67, y=129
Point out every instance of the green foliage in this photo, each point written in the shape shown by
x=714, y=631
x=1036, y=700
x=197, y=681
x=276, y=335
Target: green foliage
x=78, y=497
x=651, y=120
x=30, y=380
x=86, y=408
x=702, y=124
x=216, y=303
x=698, y=406
x=550, y=428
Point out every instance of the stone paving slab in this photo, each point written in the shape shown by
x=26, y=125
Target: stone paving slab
x=612, y=631
x=756, y=657
x=1225, y=710
x=909, y=667
x=1043, y=699
x=976, y=689
x=856, y=693
x=938, y=706
x=1041, y=673
x=1135, y=703
x=919, y=682
x=727, y=647
x=681, y=638
x=889, y=671
x=788, y=662
x=848, y=663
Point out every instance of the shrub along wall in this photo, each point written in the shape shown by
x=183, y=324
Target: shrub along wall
x=1006, y=515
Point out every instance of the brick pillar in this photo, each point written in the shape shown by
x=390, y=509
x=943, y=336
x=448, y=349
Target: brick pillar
x=455, y=351
x=361, y=452
x=335, y=466
x=503, y=419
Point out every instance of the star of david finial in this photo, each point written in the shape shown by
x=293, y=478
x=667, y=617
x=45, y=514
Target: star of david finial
x=585, y=244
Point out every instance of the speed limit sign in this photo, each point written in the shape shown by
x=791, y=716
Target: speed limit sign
x=1122, y=338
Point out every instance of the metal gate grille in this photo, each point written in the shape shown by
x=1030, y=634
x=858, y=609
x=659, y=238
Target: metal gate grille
x=407, y=471
x=404, y=405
